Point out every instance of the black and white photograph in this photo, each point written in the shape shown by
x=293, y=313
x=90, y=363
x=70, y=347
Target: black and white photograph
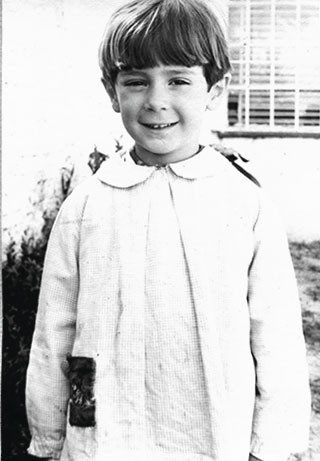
x=160, y=230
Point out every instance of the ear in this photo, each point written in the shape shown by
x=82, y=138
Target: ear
x=217, y=90
x=112, y=95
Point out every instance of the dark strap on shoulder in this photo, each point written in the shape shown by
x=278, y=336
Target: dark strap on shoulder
x=246, y=173
x=232, y=155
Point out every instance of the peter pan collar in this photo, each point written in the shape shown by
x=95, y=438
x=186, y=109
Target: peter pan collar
x=123, y=172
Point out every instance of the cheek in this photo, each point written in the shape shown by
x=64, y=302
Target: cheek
x=127, y=121
x=197, y=103
x=129, y=118
x=128, y=108
x=196, y=111
x=125, y=110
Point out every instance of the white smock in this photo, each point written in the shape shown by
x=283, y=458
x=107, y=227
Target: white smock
x=177, y=284
x=176, y=397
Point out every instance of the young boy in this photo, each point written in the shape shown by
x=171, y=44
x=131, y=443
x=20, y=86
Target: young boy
x=169, y=326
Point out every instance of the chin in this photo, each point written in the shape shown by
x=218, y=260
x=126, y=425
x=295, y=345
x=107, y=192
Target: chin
x=157, y=150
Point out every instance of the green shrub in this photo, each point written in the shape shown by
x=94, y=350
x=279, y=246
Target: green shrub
x=21, y=277
x=21, y=282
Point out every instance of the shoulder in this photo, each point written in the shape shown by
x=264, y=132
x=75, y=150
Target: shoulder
x=239, y=194
x=237, y=160
x=74, y=205
x=229, y=176
x=245, y=197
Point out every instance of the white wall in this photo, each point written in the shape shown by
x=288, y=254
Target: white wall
x=289, y=170
x=54, y=105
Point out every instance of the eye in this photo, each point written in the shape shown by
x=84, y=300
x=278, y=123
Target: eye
x=179, y=81
x=135, y=83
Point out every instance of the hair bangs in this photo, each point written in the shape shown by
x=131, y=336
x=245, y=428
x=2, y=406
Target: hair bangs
x=162, y=45
x=170, y=32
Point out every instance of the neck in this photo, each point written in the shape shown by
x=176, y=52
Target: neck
x=158, y=160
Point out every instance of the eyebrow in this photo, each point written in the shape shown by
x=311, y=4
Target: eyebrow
x=179, y=70
x=169, y=71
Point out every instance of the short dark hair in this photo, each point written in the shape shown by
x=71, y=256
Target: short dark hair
x=146, y=33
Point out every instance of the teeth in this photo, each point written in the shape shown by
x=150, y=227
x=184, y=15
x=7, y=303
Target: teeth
x=160, y=125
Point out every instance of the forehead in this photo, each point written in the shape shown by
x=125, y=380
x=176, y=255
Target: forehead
x=164, y=71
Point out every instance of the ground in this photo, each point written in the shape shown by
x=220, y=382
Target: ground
x=306, y=259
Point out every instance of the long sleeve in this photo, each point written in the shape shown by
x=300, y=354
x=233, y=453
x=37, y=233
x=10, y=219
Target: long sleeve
x=282, y=409
x=47, y=389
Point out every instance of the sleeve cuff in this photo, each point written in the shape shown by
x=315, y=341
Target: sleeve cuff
x=267, y=453
x=264, y=453
x=267, y=456
x=46, y=447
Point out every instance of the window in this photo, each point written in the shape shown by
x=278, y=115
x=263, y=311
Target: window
x=275, y=55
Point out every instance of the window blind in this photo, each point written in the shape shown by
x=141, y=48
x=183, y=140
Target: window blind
x=275, y=55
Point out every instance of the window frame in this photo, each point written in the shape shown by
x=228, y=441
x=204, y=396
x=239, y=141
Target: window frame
x=270, y=128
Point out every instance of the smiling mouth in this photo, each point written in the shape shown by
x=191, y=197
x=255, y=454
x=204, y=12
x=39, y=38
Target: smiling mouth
x=158, y=126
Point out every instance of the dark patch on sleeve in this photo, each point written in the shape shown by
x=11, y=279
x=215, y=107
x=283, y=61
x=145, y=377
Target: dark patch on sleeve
x=82, y=371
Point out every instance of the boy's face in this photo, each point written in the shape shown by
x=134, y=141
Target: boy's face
x=162, y=108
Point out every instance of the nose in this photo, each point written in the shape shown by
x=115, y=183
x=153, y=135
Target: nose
x=156, y=99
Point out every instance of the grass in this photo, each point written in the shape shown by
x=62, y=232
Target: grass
x=306, y=260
